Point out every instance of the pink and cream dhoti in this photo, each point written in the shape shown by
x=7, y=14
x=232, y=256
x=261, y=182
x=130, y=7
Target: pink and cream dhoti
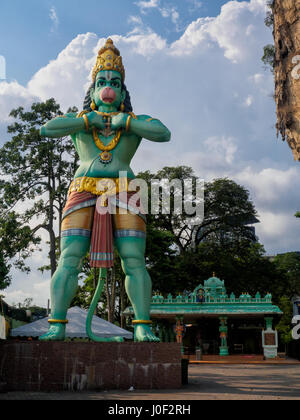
x=102, y=216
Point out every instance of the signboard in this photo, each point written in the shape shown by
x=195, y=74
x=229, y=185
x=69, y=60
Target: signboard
x=270, y=343
x=269, y=339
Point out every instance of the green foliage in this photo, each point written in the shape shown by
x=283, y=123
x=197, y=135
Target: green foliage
x=16, y=244
x=225, y=242
x=284, y=327
x=269, y=50
x=269, y=57
x=289, y=265
x=177, y=225
x=269, y=20
x=228, y=211
x=242, y=265
x=85, y=292
x=35, y=171
x=5, y=279
x=297, y=214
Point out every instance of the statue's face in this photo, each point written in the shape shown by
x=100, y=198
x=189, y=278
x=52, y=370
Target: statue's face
x=108, y=89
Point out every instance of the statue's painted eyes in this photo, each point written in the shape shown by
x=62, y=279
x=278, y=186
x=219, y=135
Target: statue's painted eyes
x=115, y=84
x=101, y=83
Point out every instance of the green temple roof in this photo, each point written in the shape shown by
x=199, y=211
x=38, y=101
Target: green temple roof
x=216, y=303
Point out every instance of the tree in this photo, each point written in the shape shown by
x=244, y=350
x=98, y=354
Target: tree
x=289, y=264
x=269, y=57
x=242, y=265
x=170, y=181
x=228, y=213
x=228, y=208
x=36, y=171
x=16, y=244
x=284, y=327
x=172, y=260
x=4, y=273
x=286, y=18
x=297, y=214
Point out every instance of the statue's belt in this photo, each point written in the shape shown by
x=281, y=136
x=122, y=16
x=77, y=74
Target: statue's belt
x=99, y=186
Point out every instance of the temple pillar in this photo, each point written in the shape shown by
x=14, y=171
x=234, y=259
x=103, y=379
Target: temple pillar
x=223, y=336
x=269, y=323
x=180, y=331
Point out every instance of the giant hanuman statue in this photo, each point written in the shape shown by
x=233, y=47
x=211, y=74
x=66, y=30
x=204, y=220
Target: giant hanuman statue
x=106, y=135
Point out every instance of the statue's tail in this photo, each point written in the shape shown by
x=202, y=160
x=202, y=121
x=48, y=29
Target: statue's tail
x=96, y=297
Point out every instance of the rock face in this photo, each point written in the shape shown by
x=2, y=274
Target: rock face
x=287, y=71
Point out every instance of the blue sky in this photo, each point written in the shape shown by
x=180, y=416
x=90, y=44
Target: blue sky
x=32, y=32
x=195, y=65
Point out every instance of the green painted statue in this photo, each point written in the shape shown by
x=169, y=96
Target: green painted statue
x=106, y=135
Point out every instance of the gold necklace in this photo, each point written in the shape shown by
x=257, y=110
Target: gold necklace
x=106, y=157
x=107, y=114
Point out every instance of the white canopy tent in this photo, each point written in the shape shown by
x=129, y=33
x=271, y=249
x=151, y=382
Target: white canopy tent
x=75, y=328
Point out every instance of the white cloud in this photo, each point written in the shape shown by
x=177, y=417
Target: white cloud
x=235, y=30
x=54, y=18
x=194, y=5
x=248, y=101
x=270, y=184
x=166, y=11
x=143, y=5
x=66, y=78
x=278, y=230
x=170, y=12
x=13, y=95
x=135, y=20
x=257, y=78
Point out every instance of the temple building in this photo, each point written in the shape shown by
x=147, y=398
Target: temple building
x=216, y=323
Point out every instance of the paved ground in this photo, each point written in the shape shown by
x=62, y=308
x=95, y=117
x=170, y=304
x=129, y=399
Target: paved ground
x=206, y=382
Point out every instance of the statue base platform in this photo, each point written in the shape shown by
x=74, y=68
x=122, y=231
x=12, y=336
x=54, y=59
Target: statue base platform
x=79, y=366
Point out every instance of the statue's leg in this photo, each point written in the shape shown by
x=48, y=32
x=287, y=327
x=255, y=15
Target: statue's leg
x=138, y=283
x=65, y=279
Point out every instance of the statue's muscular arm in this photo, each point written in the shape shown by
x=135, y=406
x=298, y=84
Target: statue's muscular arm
x=150, y=129
x=142, y=126
x=61, y=126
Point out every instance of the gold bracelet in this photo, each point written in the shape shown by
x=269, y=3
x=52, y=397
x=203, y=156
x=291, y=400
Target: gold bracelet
x=86, y=122
x=58, y=321
x=141, y=321
x=128, y=123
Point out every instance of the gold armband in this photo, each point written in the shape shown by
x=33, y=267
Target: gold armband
x=141, y=321
x=58, y=321
x=128, y=123
x=86, y=122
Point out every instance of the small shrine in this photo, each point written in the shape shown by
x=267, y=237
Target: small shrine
x=215, y=322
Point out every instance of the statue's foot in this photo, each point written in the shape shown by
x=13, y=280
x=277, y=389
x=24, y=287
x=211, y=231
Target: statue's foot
x=144, y=333
x=56, y=332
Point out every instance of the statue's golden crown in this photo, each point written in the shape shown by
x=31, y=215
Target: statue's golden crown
x=109, y=58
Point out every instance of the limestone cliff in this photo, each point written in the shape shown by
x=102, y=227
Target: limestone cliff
x=287, y=71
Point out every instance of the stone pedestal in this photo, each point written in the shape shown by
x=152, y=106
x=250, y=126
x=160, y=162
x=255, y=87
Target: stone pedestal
x=77, y=366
